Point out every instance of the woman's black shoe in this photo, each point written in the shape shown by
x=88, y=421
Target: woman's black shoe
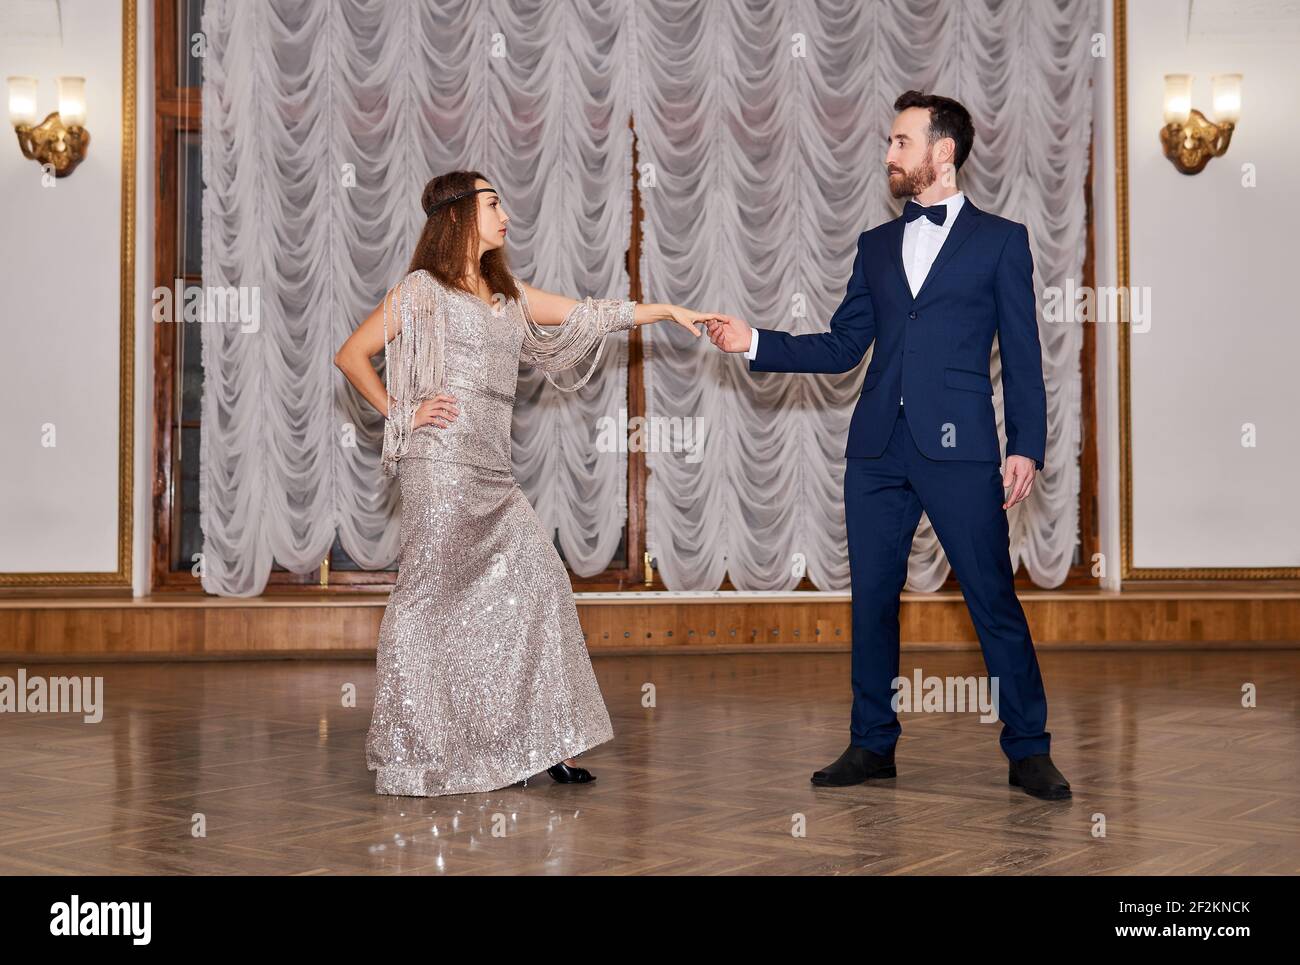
x=562, y=773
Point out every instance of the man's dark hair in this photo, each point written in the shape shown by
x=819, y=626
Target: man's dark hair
x=948, y=118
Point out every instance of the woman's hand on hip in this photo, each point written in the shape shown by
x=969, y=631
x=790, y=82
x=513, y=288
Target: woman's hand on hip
x=440, y=411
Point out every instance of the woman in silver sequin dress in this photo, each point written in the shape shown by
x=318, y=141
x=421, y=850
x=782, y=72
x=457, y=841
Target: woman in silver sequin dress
x=482, y=672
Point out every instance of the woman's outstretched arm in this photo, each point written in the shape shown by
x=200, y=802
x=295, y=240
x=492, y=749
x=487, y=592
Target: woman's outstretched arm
x=548, y=308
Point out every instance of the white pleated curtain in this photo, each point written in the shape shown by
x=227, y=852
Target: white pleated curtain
x=322, y=122
x=765, y=127
x=761, y=131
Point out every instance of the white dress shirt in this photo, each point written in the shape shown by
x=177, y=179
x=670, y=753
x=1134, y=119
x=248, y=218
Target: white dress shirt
x=922, y=239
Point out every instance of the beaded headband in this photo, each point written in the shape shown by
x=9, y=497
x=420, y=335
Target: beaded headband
x=457, y=197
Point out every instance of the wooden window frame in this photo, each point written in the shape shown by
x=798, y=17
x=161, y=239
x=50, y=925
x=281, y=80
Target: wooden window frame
x=179, y=111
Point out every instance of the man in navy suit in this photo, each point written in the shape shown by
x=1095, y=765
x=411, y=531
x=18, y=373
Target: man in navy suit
x=931, y=289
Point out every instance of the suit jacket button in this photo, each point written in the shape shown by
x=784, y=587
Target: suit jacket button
x=911, y=314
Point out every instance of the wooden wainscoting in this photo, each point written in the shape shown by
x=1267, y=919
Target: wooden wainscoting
x=161, y=627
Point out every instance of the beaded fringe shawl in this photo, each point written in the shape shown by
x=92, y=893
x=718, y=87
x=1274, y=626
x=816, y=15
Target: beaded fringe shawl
x=415, y=359
x=564, y=346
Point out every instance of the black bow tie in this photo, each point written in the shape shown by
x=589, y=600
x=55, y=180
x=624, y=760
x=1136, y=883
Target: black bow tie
x=937, y=213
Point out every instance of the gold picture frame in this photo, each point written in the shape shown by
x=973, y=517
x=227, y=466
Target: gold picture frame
x=1128, y=571
x=121, y=577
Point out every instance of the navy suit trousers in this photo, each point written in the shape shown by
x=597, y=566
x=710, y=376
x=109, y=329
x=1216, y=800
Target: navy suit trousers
x=883, y=500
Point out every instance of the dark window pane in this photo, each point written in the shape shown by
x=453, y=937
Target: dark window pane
x=191, y=372
x=191, y=535
x=339, y=560
x=189, y=69
x=189, y=210
x=620, y=555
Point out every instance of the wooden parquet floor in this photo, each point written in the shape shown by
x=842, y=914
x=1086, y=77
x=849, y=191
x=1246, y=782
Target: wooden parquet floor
x=711, y=780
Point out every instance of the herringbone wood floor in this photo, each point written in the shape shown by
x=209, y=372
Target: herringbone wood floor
x=711, y=780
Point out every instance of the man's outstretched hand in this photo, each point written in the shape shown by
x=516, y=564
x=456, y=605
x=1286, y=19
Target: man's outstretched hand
x=729, y=333
x=1018, y=475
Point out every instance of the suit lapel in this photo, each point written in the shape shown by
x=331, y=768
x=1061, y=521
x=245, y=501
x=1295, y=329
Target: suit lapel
x=968, y=219
x=896, y=248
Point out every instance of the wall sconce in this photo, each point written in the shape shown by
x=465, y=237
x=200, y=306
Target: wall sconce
x=1188, y=138
x=61, y=139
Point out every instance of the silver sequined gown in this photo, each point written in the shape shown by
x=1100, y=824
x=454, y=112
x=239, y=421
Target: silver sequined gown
x=482, y=671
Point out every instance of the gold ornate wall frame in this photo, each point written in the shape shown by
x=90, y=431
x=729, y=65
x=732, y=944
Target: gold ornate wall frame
x=121, y=576
x=1128, y=571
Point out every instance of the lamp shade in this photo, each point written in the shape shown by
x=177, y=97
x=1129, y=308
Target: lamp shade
x=1178, y=98
x=1226, y=89
x=22, y=101
x=72, y=101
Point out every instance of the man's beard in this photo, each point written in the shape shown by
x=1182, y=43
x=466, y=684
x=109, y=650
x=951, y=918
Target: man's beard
x=911, y=183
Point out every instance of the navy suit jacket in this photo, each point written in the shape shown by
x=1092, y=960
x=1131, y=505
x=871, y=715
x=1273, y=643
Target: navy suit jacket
x=934, y=349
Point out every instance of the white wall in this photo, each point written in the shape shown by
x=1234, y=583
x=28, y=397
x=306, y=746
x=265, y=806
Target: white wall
x=1220, y=261
x=60, y=274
